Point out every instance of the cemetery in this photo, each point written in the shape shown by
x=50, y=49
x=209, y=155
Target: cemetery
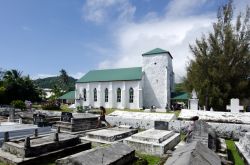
x=74, y=138
x=141, y=105
x=62, y=138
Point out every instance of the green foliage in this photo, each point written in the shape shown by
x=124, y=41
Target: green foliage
x=180, y=87
x=79, y=109
x=18, y=104
x=233, y=153
x=52, y=105
x=49, y=82
x=221, y=61
x=152, y=160
x=17, y=87
x=65, y=108
x=64, y=80
x=57, y=92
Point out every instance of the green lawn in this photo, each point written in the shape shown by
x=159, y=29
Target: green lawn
x=64, y=108
x=152, y=160
x=233, y=154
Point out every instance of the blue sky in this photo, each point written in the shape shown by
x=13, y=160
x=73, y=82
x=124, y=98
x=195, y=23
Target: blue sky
x=40, y=37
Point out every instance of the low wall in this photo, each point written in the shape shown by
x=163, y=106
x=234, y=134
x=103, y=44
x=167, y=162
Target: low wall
x=224, y=130
x=140, y=120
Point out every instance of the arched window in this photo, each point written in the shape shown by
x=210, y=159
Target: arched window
x=95, y=94
x=131, y=95
x=119, y=92
x=106, y=95
x=84, y=95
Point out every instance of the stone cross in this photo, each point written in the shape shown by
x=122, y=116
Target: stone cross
x=234, y=107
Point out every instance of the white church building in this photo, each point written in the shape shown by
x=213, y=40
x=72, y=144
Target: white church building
x=130, y=88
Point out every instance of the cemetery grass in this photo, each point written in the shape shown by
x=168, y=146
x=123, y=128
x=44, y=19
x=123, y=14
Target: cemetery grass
x=233, y=154
x=152, y=160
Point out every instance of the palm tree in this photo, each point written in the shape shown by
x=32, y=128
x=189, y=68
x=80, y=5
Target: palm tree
x=12, y=75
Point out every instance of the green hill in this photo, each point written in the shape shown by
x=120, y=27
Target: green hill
x=49, y=82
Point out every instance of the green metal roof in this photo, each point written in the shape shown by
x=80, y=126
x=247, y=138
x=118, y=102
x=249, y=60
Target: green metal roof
x=68, y=96
x=156, y=51
x=180, y=96
x=122, y=74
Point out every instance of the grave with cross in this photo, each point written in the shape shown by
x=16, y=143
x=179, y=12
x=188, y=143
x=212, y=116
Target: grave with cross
x=234, y=106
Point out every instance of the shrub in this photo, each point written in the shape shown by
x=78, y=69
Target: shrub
x=51, y=106
x=18, y=104
x=80, y=109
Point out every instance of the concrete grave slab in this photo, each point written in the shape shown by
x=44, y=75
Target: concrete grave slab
x=194, y=153
x=33, y=150
x=17, y=130
x=154, y=142
x=79, y=122
x=116, y=154
x=108, y=136
x=138, y=119
x=243, y=147
x=220, y=117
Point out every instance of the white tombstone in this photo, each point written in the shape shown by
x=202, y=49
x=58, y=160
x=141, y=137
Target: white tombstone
x=194, y=95
x=193, y=103
x=234, y=106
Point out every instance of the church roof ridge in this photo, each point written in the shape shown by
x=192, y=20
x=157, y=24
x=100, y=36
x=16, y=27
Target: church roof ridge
x=115, y=68
x=115, y=74
x=156, y=51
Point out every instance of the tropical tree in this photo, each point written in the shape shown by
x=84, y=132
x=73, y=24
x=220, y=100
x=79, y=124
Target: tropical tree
x=221, y=64
x=57, y=92
x=64, y=79
x=18, y=87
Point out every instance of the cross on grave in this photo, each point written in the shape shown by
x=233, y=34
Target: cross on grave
x=234, y=106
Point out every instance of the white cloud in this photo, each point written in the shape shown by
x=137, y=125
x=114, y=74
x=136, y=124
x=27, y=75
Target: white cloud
x=170, y=33
x=77, y=75
x=183, y=8
x=99, y=11
x=174, y=31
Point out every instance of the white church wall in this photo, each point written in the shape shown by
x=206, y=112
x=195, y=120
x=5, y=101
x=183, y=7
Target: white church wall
x=136, y=85
x=112, y=94
x=156, y=88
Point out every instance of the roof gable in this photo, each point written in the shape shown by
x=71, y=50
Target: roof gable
x=156, y=51
x=121, y=74
x=68, y=96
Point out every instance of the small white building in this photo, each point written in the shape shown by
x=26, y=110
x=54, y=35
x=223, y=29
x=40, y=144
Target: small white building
x=132, y=88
